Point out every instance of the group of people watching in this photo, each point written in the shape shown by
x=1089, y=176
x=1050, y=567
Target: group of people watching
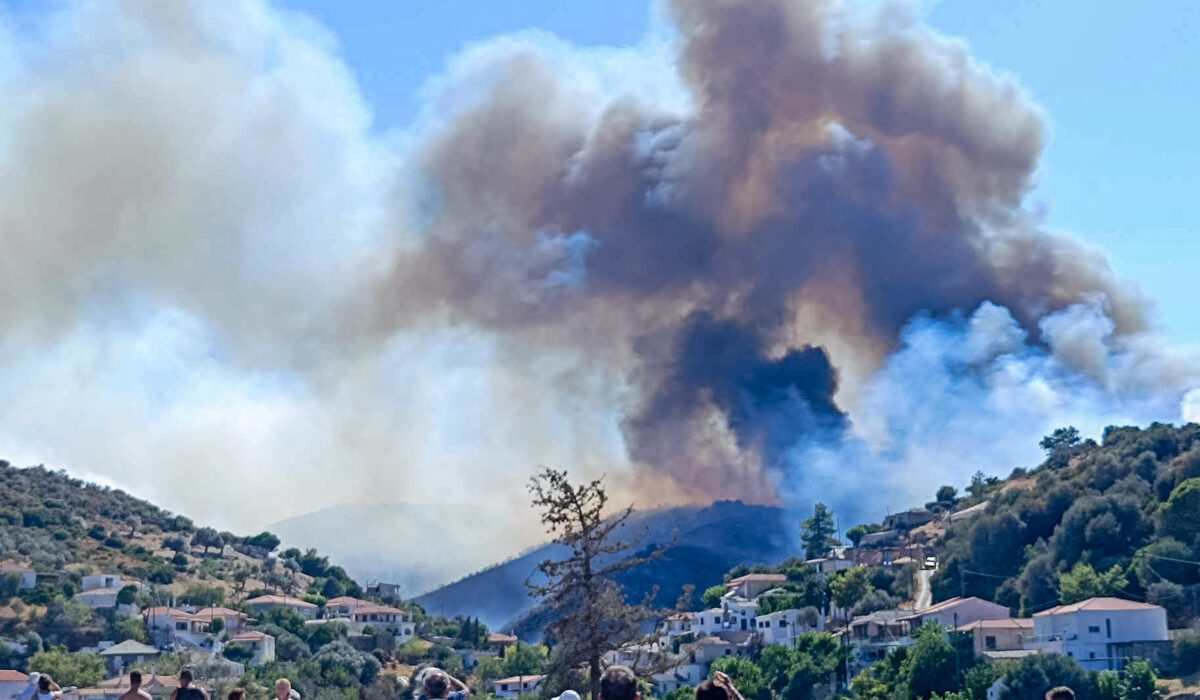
x=430, y=683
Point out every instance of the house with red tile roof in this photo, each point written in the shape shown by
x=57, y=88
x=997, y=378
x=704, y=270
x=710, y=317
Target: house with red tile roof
x=342, y=605
x=12, y=682
x=956, y=612
x=999, y=635
x=232, y=621
x=1093, y=631
x=751, y=586
x=383, y=617
x=260, y=643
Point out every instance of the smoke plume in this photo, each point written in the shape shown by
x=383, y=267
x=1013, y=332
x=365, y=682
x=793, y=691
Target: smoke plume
x=784, y=248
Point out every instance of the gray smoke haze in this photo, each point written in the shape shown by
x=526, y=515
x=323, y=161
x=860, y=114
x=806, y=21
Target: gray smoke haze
x=784, y=245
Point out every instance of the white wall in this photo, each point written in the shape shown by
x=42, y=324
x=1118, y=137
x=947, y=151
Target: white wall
x=967, y=612
x=95, y=581
x=1086, y=634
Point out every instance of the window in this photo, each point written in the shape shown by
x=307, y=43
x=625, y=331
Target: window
x=181, y=626
x=1094, y=629
x=1108, y=624
x=989, y=643
x=1091, y=654
x=783, y=623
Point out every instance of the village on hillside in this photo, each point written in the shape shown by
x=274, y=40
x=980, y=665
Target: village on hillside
x=747, y=615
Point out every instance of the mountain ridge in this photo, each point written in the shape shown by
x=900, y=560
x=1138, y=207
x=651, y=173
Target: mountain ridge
x=701, y=543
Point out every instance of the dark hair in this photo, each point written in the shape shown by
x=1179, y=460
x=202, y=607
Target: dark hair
x=135, y=677
x=44, y=683
x=711, y=691
x=1062, y=692
x=237, y=694
x=435, y=683
x=186, y=675
x=618, y=683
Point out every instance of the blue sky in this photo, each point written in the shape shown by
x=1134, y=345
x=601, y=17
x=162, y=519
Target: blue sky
x=1118, y=83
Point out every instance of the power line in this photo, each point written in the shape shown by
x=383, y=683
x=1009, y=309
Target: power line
x=1159, y=556
x=980, y=573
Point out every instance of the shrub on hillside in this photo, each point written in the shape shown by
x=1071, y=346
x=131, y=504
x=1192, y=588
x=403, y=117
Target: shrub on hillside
x=1186, y=650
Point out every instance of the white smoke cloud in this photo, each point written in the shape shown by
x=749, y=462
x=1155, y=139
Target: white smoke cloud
x=975, y=393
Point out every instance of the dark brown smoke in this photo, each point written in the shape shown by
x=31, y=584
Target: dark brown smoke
x=858, y=167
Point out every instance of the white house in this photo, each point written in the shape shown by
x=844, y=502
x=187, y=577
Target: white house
x=709, y=649
x=383, y=617
x=28, y=575
x=956, y=612
x=383, y=590
x=177, y=626
x=784, y=626
x=739, y=613
x=828, y=565
x=633, y=655
x=232, y=621
x=266, y=603
x=751, y=586
x=128, y=653
x=1088, y=630
x=341, y=606
x=107, y=581
x=687, y=675
x=516, y=686
x=708, y=622
x=12, y=682
x=262, y=644
x=99, y=598
x=871, y=637
x=673, y=626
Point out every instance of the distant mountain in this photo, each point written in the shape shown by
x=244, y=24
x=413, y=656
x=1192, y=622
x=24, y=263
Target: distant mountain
x=708, y=541
x=418, y=546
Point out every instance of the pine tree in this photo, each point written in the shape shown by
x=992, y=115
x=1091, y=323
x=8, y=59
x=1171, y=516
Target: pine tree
x=593, y=616
x=817, y=532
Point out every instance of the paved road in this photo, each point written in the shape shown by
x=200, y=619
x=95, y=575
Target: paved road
x=924, y=596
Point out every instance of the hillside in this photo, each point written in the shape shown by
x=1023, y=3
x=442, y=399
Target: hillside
x=708, y=541
x=1118, y=518
x=64, y=529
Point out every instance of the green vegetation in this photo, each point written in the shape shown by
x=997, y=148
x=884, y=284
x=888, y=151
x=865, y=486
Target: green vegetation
x=816, y=533
x=1113, y=518
x=781, y=673
x=81, y=670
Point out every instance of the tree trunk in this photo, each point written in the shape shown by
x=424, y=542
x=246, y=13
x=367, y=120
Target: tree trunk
x=594, y=676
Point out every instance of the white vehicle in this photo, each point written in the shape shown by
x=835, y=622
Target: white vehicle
x=930, y=562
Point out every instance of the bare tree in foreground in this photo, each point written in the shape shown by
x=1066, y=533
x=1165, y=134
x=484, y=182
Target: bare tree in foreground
x=593, y=616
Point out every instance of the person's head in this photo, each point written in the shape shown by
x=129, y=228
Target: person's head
x=135, y=678
x=711, y=691
x=237, y=694
x=435, y=683
x=1062, y=692
x=185, y=677
x=618, y=683
x=45, y=683
x=568, y=695
x=34, y=678
x=283, y=689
